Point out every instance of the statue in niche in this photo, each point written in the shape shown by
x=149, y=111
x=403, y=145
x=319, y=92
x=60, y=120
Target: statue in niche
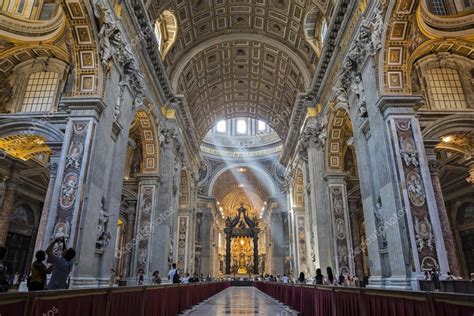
x=357, y=88
x=377, y=30
x=103, y=236
x=108, y=27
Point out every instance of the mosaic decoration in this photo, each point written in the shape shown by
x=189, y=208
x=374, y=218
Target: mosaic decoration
x=182, y=242
x=145, y=227
x=303, y=258
x=340, y=228
x=417, y=211
x=70, y=185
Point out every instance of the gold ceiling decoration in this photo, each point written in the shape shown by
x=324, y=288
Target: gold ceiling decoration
x=460, y=143
x=24, y=147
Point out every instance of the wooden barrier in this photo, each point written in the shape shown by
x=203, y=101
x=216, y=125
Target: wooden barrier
x=123, y=301
x=344, y=301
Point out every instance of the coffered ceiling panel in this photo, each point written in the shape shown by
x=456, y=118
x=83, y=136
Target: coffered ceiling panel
x=235, y=58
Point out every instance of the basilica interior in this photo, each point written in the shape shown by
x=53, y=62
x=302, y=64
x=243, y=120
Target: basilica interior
x=239, y=137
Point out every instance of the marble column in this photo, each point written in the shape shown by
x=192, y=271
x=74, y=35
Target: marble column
x=357, y=253
x=7, y=206
x=53, y=170
x=340, y=222
x=454, y=266
x=311, y=148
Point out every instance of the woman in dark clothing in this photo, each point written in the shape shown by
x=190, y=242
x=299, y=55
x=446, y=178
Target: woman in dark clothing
x=301, y=279
x=330, y=279
x=319, y=277
x=37, y=280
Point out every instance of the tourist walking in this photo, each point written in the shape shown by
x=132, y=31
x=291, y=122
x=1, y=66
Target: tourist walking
x=173, y=275
x=62, y=265
x=37, y=280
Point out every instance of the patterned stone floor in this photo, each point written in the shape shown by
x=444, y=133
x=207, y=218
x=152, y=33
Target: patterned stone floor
x=241, y=301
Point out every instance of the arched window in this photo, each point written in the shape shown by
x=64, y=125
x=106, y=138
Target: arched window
x=40, y=91
x=446, y=81
x=241, y=127
x=449, y=7
x=445, y=89
x=221, y=127
x=166, y=31
x=37, y=85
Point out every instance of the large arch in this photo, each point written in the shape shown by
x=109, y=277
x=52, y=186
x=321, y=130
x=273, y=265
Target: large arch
x=262, y=174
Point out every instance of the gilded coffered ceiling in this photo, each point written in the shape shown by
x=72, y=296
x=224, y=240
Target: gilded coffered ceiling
x=243, y=182
x=235, y=58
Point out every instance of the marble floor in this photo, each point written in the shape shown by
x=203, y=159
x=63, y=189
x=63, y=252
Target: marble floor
x=241, y=301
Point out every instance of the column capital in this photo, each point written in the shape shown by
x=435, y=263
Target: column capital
x=336, y=177
x=399, y=104
x=145, y=178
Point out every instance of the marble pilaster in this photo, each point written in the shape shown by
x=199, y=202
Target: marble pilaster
x=341, y=222
x=7, y=206
x=454, y=266
x=356, y=242
x=53, y=170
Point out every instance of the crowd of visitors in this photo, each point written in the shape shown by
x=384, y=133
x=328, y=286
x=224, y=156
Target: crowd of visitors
x=59, y=259
x=319, y=279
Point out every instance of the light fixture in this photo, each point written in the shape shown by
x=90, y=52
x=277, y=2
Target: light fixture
x=241, y=185
x=242, y=242
x=447, y=139
x=242, y=169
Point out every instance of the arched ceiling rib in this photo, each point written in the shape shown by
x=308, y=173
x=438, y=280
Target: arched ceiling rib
x=239, y=58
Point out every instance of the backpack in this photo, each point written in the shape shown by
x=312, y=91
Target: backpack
x=176, y=277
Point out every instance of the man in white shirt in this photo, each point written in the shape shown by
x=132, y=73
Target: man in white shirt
x=172, y=273
x=284, y=279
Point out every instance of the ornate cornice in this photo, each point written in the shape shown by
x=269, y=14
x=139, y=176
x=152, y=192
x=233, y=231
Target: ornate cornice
x=146, y=37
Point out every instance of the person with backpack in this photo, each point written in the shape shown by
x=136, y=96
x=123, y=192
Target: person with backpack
x=4, y=284
x=62, y=265
x=37, y=280
x=173, y=275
